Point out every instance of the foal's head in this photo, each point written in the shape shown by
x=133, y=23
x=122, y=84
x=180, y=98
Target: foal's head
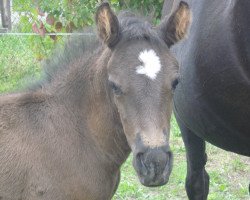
x=142, y=75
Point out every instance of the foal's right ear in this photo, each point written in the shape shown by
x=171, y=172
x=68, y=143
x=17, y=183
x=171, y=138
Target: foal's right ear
x=107, y=25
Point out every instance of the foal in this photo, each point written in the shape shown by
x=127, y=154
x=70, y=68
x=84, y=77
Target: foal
x=67, y=139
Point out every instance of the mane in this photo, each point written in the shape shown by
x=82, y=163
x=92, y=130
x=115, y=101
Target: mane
x=76, y=47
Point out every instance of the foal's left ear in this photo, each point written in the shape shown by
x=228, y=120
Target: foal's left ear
x=107, y=25
x=174, y=28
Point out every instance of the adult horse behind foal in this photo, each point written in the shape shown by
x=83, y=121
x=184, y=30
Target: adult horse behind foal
x=67, y=138
x=212, y=99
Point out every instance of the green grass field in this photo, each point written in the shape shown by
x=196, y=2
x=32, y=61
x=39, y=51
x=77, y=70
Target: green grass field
x=229, y=173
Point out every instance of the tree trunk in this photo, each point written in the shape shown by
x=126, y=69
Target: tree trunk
x=5, y=13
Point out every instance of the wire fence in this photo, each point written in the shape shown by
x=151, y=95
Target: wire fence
x=28, y=35
x=53, y=19
x=33, y=20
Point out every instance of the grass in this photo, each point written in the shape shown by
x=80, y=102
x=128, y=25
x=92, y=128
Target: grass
x=229, y=176
x=229, y=173
x=17, y=62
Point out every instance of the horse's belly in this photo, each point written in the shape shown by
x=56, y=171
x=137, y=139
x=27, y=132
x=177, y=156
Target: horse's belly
x=216, y=122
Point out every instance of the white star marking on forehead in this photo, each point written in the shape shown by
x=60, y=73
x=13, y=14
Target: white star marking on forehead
x=151, y=64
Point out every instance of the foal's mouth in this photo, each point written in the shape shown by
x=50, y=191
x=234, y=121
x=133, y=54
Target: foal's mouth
x=153, y=168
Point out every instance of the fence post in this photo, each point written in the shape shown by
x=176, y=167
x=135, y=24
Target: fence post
x=5, y=14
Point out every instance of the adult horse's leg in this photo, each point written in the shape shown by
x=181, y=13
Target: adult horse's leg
x=197, y=180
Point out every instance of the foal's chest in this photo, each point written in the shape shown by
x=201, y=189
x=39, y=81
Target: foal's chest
x=71, y=184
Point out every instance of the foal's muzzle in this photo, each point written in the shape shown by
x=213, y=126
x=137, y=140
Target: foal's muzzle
x=153, y=166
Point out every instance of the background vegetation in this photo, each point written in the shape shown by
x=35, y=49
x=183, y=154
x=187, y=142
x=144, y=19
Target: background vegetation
x=66, y=16
x=20, y=61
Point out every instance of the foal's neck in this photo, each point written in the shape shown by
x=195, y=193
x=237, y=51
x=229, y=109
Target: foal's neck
x=103, y=120
x=88, y=95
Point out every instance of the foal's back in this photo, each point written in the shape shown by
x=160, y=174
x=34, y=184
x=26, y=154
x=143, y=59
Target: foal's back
x=42, y=153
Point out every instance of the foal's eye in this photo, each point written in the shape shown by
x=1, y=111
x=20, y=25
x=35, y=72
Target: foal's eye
x=174, y=84
x=116, y=89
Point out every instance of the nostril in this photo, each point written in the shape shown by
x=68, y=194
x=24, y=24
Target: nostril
x=169, y=156
x=140, y=163
x=139, y=157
